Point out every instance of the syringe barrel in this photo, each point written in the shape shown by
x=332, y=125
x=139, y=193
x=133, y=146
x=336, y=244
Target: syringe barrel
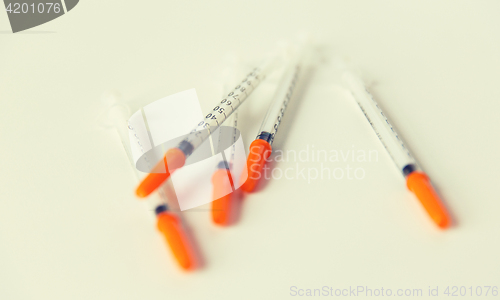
x=387, y=134
x=227, y=106
x=232, y=122
x=276, y=111
x=282, y=96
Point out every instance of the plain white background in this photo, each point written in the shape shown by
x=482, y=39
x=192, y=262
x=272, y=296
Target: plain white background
x=70, y=227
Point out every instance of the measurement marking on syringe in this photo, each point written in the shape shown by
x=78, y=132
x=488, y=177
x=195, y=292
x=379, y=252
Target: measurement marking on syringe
x=272, y=121
x=387, y=134
x=219, y=113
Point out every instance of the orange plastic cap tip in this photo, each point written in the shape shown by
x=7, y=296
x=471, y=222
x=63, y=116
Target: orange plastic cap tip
x=221, y=209
x=173, y=159
x=420, y=185
x=222, y=193
x=260, y=151
x=170, y=226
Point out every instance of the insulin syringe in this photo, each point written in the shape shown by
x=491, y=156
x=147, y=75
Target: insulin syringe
x=222, y=179
x=417, y=181
x=176, y=157
x=167, y=222
x=261, y=147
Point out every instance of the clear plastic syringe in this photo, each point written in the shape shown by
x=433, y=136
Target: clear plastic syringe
x=261, y=147
x=222, y=179
x=417, y=181
x=167, y=222
x=176, y=157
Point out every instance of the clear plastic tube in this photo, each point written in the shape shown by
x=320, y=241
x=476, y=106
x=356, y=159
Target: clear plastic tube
x=226, y=107
x=223, y=183
x=387, y=134
x=282, y=96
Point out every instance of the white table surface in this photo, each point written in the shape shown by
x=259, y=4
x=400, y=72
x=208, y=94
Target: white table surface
x=71, y=228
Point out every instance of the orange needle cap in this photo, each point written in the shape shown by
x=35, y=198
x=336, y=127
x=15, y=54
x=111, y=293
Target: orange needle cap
x=260, y=150
x=173, y=159
x=419, y=184
x=170, y=226
x=221, y=207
